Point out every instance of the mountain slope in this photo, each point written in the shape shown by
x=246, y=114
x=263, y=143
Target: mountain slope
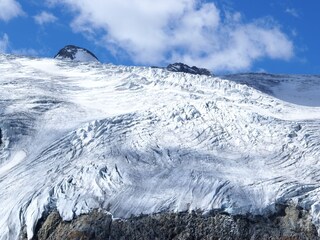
x=298, y=89
x=131, y=140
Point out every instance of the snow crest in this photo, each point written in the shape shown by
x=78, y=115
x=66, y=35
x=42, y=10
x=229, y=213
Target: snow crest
x=132, y=140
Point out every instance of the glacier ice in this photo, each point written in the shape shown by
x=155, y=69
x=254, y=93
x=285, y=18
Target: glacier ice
x=132, y=140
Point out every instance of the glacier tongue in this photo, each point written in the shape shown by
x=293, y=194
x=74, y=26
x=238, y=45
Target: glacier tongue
x=131, y=140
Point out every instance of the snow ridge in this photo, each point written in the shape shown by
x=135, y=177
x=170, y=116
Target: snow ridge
x=132, y=140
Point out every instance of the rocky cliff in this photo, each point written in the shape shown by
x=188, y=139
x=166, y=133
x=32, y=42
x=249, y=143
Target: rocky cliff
x=289, y=222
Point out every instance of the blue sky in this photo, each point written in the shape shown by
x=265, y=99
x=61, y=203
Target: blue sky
x=225, y=36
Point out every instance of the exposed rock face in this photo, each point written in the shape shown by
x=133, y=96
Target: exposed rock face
x=0, y=137
x=75, y=53
x=95, y=225
x=289, y=223
x=181, y=67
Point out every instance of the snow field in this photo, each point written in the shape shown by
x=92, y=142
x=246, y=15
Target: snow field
x=134, y=140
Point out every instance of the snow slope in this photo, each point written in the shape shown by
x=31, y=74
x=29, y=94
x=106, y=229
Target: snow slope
x=131, y=140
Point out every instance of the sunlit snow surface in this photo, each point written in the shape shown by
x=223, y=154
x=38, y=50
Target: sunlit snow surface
x=77, y=136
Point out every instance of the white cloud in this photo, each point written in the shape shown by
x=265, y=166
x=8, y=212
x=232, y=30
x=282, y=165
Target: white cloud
x=4, y=43
x=192, y=31
x=9, y=9
x=293, y=12
x=44, y=18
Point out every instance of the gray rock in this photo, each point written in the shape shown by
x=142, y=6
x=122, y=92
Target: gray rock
x=181, y=67
x=0, y=137
x=289, y=222
x=95, y=225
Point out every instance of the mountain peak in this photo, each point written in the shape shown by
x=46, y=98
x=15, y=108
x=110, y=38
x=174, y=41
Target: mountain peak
x=181, y=67
x=75, y=53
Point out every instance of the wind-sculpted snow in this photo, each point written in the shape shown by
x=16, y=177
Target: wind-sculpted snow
x=132, y=140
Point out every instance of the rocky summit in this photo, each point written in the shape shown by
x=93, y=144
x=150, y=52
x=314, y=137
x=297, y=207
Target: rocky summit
x=181, y=67
x=75, y=53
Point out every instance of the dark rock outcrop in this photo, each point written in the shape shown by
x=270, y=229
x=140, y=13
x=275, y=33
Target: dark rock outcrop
x=0, y=137
x=289, y=222
x=72, y=52
x=95, y=225
x=181, y=67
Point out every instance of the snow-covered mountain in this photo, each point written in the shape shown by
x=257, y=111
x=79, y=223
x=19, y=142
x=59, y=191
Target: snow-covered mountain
x=75, y=53
x=77, y=136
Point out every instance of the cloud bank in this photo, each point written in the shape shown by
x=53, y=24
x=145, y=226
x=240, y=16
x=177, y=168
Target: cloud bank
x=9, y=9
x=191, y=31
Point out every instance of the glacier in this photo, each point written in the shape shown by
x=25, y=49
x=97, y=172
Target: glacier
x=76, y=136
